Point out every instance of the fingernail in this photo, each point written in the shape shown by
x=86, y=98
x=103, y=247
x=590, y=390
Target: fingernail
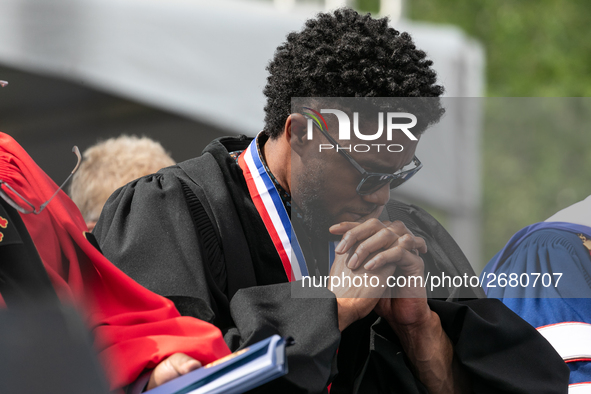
x=370, y=264
x=341, y=246
x=353, y=261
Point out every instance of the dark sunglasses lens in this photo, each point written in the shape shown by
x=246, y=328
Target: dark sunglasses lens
x=403, y=178
x=397, y=182
x=374, y=183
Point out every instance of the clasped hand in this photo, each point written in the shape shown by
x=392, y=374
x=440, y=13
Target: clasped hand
x=381, y=249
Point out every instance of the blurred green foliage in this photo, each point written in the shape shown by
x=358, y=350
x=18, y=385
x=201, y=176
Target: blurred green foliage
x=536, y=152
x=533, y=47
x=536, y=161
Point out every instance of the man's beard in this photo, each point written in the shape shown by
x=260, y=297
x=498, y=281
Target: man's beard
x=315, y=217
x=312, y=204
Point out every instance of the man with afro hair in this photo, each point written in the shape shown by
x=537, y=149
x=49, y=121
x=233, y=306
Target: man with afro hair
x=214, y=234
x=346, y=54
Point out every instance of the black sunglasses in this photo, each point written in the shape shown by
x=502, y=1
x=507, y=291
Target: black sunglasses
x=371, y=182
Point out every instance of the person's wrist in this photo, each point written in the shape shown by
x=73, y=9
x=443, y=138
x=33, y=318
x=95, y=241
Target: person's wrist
x=415, y=335
x=422, y=318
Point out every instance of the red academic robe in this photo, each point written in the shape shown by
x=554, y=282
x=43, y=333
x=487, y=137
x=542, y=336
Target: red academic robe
x=134, y=329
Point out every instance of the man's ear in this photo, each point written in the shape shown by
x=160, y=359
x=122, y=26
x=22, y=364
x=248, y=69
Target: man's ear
x=296, y=128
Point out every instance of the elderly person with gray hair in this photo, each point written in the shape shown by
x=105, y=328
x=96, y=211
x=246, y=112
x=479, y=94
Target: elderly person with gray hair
x=110, y=164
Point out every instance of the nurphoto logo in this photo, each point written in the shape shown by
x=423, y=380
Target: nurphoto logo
x=392, y=118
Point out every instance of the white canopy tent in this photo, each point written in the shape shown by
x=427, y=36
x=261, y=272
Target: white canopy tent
x=206, y=60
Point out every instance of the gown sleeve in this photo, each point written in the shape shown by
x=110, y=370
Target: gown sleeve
x=562, y=294
x=148, y=233
x=133, y=329
x=146, y=229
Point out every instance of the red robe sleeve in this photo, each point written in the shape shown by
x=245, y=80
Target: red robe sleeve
x=134, y=329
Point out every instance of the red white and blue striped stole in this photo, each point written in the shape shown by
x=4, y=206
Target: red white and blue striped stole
x=270, y=207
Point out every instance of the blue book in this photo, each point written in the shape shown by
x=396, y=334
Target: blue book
x=236, y=373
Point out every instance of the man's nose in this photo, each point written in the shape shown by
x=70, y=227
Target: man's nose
x=380, y=197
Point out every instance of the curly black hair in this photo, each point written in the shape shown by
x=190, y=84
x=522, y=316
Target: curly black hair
x=345, y=54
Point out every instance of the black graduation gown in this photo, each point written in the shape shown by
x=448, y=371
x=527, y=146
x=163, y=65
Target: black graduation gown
x=151, y=229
